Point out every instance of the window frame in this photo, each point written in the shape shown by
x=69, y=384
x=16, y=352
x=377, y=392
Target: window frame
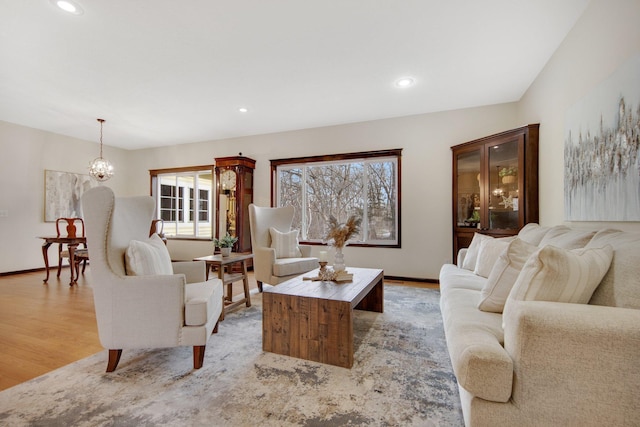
x=153, y=185
x=366, y=156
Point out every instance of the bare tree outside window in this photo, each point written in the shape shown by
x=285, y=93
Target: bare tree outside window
x=366, y=187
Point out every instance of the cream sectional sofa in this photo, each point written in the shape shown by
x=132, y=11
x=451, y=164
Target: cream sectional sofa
x=542, y=362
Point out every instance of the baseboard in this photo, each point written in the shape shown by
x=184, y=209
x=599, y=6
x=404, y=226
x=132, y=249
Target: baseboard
x=411, y=279
x=31, y=270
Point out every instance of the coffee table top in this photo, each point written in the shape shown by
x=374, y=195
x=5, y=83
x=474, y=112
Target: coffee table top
x=363, y=280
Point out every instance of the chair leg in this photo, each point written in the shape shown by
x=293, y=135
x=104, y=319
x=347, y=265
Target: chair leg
x=215, y=328
x=259, y=285
x=198, y=356
x=114, y=358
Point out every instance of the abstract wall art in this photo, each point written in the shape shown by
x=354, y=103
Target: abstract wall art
x=63, y=191
x=601, y=151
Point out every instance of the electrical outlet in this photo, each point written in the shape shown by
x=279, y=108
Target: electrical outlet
x=4, y=213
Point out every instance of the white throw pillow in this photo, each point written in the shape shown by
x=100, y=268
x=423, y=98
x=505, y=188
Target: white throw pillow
x=503, y=275
x=469, y=262
x=533, y=233
x=150, y=257
x=561, y=275
x=285, y=244
x=490, y=250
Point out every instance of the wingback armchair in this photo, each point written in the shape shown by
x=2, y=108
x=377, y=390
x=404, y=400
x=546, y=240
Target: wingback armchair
x=164, y=304
x=277, y=260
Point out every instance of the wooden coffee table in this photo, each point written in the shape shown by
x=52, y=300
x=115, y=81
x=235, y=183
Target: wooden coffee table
x=314, y=320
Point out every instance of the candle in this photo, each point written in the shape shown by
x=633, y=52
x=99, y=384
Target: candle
x=322, y=257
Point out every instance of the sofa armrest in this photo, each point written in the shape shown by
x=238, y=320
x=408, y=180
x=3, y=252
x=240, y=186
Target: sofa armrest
x=577, y=356
x=194, y=271
x=461, y=254
x=305, y=250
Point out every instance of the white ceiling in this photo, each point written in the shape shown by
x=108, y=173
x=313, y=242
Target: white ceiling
x=163, y=72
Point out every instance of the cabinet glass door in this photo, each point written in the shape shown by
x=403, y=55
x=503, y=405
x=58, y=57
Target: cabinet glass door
x=503, y=186
x=468, y=189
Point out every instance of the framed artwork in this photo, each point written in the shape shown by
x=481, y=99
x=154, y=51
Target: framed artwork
x=62, y=193
x=601, y=151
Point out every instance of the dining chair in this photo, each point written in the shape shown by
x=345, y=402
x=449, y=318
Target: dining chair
x=73, y=227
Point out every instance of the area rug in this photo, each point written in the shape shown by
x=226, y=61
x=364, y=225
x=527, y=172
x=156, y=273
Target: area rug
x=401, y=376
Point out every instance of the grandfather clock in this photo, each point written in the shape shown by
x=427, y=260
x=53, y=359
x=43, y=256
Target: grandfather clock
x=234, y=193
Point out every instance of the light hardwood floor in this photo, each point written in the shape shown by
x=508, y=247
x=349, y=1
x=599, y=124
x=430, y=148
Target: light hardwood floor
x=44, y=327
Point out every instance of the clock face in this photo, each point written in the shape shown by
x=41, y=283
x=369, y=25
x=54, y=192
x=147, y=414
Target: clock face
x=228, y=180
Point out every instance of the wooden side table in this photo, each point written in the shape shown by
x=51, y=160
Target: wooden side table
x=228, y=277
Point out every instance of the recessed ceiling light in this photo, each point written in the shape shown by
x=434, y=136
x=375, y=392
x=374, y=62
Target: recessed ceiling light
x=69, y=6
x=243, y=109
x=405, y=82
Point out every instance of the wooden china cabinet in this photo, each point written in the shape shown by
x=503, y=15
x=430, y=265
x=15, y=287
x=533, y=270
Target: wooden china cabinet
x=234, y=194
x=495, y=185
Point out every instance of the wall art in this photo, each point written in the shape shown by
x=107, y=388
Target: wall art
x=63, y=191
x=601, y=151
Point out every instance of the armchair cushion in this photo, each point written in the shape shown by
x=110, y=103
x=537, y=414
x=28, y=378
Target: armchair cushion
x=151, y=257
x=288, y=266
x=285, y=243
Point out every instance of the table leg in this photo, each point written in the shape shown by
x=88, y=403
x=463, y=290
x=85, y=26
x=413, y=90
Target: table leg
x=245, y=281
x=45, y=255
x=72, y=259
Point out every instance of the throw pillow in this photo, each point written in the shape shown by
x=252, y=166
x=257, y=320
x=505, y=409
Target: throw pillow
x=561, y=275
x=285, y=244
x=469, y=262
x=150, y=257
x=533, y=233
x=503, y=275
x=566, y=238
x=490, y=250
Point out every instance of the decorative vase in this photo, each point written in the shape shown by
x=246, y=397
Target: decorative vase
x=338, y=260
x=225, y=251
x=509, y=179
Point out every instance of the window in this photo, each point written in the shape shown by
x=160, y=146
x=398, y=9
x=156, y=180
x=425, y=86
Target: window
x=184, y=200
x=363, y=184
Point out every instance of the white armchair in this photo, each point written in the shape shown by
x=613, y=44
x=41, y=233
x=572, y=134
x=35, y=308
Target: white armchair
x=149, y=310
x=268, y=268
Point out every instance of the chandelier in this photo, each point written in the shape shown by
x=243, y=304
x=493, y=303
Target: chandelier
x=101, y=169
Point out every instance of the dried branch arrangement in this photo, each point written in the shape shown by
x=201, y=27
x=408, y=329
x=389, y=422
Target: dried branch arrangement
x=340, y=233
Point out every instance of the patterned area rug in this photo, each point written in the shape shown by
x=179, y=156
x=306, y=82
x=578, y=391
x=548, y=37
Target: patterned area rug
x=402, y=376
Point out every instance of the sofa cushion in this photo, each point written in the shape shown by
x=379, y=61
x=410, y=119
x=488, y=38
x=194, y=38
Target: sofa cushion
x=504, y=274
x=285, y=243
x=620, y=287
x=561, y=275
x=149, y=257
x=474, y=339
x=200, y=300
x=533, y=233
x=288, y=266
x=564, y=237
x=452, y=277
x=469, y=262
x=490, y=250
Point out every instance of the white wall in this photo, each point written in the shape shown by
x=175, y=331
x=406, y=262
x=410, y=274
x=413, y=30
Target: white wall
x=605, y=37
x=25, y=154
x=426, y=176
